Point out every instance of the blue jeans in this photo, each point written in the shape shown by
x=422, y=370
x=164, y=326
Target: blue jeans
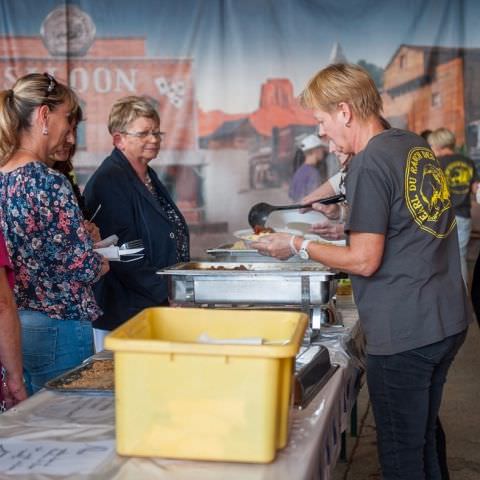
x=406, y=391
x=51, y=347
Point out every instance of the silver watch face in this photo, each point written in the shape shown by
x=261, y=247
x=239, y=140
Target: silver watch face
x=303, y=254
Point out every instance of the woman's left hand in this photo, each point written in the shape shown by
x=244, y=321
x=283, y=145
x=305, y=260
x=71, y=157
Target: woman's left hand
x=92, y=230
x=276, y=245
x=13, y=390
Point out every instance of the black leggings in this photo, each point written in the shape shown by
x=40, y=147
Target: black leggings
x=475, y=292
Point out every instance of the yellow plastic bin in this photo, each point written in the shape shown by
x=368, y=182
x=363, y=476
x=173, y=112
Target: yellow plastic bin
x=178, y=398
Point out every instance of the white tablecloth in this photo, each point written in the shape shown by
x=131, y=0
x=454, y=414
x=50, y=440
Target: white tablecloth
x=83, y=433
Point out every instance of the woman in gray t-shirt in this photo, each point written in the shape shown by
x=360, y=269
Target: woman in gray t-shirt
x=402, y=256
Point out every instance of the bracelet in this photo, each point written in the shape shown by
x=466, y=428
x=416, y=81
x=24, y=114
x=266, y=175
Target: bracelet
x=292, y=245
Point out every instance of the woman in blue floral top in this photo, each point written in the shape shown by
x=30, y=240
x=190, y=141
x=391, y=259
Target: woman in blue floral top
x=50, y=248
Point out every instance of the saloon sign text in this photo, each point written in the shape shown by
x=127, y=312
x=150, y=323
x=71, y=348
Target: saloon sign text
x=105, y=80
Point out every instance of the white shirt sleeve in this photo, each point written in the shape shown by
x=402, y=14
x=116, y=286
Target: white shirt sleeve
x=335, y=182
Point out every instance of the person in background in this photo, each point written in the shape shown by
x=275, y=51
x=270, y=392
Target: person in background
x=462, y=181
x=475, y=290
x=332, y=228
x=12, y=389
x=61, y=161
x=402, y=256
x=50, y=249
x=135, y=205
x=307, y=177
x=440, y=434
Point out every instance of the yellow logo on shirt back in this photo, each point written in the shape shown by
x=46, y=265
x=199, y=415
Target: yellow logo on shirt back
x=459, y=174
x=426, y=193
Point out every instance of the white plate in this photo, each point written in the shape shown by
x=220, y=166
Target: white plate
x=318, y=238
x=113, y=253
x=293, y=219
x=248, y=236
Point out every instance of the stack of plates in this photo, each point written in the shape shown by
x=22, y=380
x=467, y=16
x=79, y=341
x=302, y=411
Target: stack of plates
x=302, y=222
x=248, y=235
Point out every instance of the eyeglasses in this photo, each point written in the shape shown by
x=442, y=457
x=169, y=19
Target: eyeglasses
x=143, y=135
x=52, y=83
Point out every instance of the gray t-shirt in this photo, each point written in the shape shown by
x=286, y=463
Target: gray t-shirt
x=460, y=173
x=396, y=187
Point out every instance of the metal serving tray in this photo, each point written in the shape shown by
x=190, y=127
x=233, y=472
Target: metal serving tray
x=60, y=383
x=233, y=283
x=225, y=253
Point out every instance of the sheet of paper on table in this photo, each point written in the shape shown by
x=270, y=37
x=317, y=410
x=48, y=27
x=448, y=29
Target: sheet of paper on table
x=21, y=457
x=89, y=410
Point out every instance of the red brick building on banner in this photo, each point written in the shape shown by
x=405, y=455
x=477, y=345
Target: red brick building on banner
x=429, y=87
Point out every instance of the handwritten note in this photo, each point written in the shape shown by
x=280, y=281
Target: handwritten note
x=19, y=457
x=94, y=410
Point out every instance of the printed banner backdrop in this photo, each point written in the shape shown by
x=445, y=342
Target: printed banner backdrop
x=225, y=75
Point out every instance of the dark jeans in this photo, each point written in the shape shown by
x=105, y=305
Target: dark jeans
x=442, y=450
x=475, y=291
x=406, y=391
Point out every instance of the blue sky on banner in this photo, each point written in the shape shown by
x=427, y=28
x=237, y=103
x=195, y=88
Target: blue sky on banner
x=238, y=44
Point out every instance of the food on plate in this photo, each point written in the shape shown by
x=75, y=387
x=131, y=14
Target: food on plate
x=259, y=229
x=221, y=267
x=239, y=245
x=255, y=236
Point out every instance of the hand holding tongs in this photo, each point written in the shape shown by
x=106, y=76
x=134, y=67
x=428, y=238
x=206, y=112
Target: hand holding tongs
x=259, y=213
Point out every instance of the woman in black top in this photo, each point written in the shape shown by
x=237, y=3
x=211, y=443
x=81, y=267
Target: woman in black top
x=135, y=205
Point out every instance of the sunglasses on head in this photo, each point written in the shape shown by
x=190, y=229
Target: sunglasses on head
x=52, y=83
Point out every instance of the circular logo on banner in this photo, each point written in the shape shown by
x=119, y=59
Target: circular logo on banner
x=67, y=30
x=459, y=174
x=426, y=193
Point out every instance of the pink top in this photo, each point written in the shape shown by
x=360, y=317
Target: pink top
x=5, y=261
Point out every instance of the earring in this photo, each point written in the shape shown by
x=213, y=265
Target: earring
x=45, y=130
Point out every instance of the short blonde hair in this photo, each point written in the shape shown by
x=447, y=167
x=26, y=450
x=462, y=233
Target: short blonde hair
x=18, y=103
x=442, y=138
x=343, y=82
x=127, y=109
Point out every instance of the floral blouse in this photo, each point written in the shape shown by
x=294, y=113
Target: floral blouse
x=51, y=252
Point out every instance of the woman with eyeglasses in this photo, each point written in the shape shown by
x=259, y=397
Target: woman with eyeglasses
x=51, y=251
x=135, y=205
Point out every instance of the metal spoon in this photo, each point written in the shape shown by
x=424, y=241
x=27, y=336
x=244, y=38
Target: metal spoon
x=259, y=213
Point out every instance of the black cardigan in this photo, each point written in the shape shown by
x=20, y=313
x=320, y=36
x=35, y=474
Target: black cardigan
x=130, y=211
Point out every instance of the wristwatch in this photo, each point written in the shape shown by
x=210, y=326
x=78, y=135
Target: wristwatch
x=303, y=252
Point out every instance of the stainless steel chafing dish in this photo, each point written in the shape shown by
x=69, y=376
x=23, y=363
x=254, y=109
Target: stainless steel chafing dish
x=255, y=283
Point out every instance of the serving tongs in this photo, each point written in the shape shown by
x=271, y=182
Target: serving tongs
x=258, y=214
